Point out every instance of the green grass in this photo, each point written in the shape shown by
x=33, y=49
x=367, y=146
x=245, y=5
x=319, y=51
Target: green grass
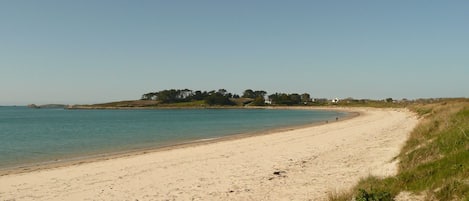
x=372, y=103
x=434, y=162
x=184, y=104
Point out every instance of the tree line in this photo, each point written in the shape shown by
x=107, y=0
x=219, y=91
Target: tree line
x=220, y=97
x=223, y=97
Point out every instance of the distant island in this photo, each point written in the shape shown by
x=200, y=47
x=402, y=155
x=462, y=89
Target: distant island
x=47, y=106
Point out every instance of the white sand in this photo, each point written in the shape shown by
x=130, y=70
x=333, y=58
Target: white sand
x=311, y=162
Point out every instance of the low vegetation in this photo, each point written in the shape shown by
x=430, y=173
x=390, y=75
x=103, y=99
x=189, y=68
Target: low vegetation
x=434, y=162
x=130, y=103
x=387, y=103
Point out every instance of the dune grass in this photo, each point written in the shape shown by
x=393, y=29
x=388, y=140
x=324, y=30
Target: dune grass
x=434, y=161
x=372, y=103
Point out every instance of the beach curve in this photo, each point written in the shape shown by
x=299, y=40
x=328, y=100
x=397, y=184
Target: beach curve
x=299, y=164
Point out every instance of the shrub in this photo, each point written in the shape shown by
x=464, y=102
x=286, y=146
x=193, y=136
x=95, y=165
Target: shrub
x=373, y=195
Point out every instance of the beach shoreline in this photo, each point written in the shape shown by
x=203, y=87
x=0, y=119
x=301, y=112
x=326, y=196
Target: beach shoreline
x=297, y=164
x=24, y=168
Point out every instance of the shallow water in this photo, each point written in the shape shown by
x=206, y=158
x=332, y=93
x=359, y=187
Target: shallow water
x=30, y=136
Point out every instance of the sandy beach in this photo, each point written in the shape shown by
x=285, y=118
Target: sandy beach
x=299, y=164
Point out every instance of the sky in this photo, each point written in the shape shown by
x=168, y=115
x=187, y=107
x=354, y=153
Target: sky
x=79, y=52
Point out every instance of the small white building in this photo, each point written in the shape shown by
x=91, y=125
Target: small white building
x=335, y=100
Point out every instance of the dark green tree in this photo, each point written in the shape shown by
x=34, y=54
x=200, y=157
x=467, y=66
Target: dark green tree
x=217, y=98
x=249, y=93
x=260, y=94
x=295, y=99
x=285, y=99
x=305, y=98
x=168, y=96
x=149, y=96
x=199, y=95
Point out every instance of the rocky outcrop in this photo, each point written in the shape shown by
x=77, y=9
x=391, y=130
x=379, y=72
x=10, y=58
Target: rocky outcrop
x=33, y=106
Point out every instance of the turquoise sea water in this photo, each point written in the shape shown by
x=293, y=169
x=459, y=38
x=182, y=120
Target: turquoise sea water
x=29, y=136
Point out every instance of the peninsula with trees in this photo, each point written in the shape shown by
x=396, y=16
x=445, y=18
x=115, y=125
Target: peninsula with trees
x=186, y=98
x=182, y=98
x=221, y=98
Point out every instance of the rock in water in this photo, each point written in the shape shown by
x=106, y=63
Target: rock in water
x=33, y=106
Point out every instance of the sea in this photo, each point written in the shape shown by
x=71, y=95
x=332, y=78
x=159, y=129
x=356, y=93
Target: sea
x=41, y=136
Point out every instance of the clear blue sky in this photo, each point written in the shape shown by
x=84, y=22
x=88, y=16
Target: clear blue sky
x=96, y=51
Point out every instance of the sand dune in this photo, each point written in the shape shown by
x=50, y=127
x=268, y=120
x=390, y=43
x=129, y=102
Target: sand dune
x=300, y=164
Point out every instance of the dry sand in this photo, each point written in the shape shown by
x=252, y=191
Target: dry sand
x=300, y=164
